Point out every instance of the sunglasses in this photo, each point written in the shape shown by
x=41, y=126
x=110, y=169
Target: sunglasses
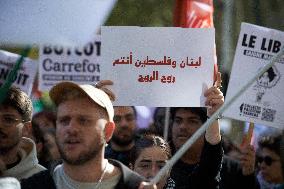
x=267, y=160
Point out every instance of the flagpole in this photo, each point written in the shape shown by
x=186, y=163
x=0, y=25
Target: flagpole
x=167, y=123
x=203, y=128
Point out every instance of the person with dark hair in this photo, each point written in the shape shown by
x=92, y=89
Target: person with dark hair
x=47, y=150
x=45, y=120
x=157, y=127
x=123, y=139
x=83, y=127
x=37, y=136
x=17, y=152
x=199, y=159
x=51, y=145
x=270, y=174
x=148, y=156
x=200, y=166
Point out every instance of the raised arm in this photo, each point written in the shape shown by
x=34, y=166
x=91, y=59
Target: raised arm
x=214, y=100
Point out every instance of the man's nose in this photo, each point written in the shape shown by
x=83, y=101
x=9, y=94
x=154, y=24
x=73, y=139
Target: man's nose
x=123, y=122
x=183, y=126
x=73, y=125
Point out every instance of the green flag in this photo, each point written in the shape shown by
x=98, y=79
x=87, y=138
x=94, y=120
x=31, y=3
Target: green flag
x=10, y=79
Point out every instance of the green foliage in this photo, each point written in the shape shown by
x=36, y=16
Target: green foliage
x=142, y=13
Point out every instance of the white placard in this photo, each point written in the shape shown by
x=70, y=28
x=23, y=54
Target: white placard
x=26, y=74
x=69, y=22
x=262, y=102
x=80, y=65
x=158, y=66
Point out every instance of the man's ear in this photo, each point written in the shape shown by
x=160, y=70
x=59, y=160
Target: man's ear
x=109, y=128
x=27, y=130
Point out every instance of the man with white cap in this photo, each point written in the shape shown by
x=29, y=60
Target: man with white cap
x=84, y=125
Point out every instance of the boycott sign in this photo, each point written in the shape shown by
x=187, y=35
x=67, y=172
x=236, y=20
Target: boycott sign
x=79, y=65
x=158, y=66
x=26, y=74
x=262, y=102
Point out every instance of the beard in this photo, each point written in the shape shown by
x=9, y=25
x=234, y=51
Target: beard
x=5, y=149
x=124, y=141
x=91, y=152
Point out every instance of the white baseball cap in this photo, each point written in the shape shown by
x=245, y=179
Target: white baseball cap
x=98, y=96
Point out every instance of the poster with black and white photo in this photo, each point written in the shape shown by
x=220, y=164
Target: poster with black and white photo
x=262, y=102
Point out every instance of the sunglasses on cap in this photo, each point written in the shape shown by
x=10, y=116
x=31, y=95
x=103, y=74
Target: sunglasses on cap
x=267, y=160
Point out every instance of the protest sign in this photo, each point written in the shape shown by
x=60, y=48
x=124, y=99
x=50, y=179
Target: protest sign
x=26, y=74
x=158, y=66
x=261, y=102
x=69, y=22
x=80, y=65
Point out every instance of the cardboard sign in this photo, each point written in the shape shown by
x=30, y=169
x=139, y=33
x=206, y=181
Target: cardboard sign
x=26, y=74
x=69, y=22
x=158, y=66
x=262, y=102
x=80, y=65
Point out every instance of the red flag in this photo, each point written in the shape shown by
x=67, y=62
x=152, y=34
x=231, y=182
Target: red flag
x=195, y=14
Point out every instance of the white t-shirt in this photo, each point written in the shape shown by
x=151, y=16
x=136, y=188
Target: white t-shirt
x=63, y=181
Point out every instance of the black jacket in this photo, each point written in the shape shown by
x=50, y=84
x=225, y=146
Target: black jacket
x=44, y=180
x=232, y=177
x=205, y=174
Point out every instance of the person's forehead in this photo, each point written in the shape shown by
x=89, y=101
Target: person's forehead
x=41, y=119
x=153, y=153
x=123, y=110
x=44, y=122
x=267, y=151
x=9, y=110
x=186, y=113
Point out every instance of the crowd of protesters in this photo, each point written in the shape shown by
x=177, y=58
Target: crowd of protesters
x=88, y=143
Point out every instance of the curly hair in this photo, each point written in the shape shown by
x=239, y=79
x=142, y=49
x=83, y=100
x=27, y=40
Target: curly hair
x=271, y=142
